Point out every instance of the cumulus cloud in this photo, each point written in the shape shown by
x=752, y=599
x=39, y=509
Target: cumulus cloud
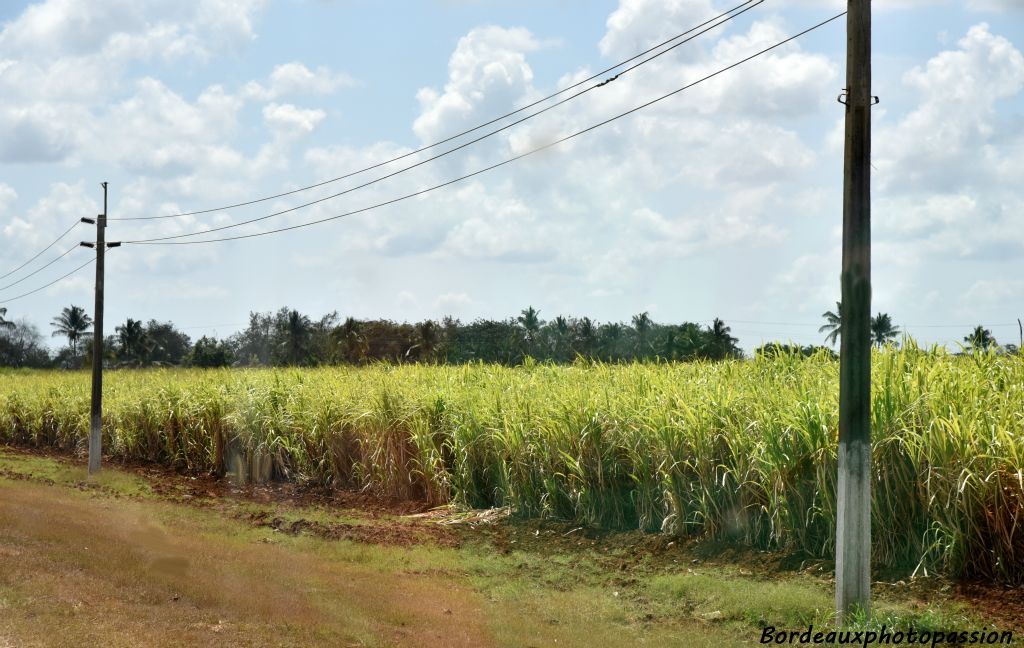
x=948, y=168
x=37, y=133
x=158, y=131
x=296, y=79
x=809, y=283
x=725, y=138
x=638, y=24
x=49, y=216
x=947, y=141
x=132, y=29
x=7, y=197
x=995, y=292
x=288, y=119
x=500, y=228
x=487, y=73
x=995, y=5
x=62, y=60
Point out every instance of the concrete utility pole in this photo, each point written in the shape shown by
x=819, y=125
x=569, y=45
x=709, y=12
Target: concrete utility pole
x=853, y=522
x=96, y=411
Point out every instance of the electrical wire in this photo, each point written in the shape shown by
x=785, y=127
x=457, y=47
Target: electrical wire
x=168, y=240
x=1013, y=324
x=62, y=278
x=439, y=155
x=37, y=271
x=726, y=14
x=38, y=254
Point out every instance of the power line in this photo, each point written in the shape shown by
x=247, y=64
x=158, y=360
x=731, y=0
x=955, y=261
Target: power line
x=1013, y=324
x=37, y=271
x=38, y=254
x=971, y=326
x=439, y=155
x=166, y=240
x=209, y=326
x=6, y=301
x=487, y=123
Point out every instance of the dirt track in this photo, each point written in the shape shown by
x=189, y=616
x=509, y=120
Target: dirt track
x=108, y=572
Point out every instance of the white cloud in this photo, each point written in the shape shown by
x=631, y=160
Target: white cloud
x=810, y=282
x=499, y=228
x=913, y=218
x=487, y=73
x=948, y=170
x=638, y=24
x=995, y=292
x=64, y=205
x=288, y=119
x=995, y=5
x=951, y=139
x=296, y=79
x=679, y=145
x=130, y=29
x=61, y=62
x=39, y=132
x=7, y=197
x=158, y=131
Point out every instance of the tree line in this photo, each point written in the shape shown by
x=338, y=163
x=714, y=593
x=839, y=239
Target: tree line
x=884, y=332
x=290, y=338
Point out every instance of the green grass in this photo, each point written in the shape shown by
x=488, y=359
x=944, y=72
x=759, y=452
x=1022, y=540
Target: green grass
x=742, y=451
x=66, y=474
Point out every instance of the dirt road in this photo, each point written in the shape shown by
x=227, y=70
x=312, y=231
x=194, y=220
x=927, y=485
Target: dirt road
x=116, y=572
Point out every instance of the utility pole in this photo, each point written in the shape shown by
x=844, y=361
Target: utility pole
x=853, y=522
x=96, y=410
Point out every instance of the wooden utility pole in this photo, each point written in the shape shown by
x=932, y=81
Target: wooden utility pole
x=853, y=522
x=96, y=410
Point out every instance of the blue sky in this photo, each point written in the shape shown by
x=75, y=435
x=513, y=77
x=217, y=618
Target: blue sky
x=725, y=201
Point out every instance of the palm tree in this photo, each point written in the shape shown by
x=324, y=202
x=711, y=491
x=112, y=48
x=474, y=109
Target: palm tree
x=722, y=343
x=980, y=338
x=4, y=323
x=610, y=335
x=297, y=332
x=833, y=325
x=427, y=333
x=133, y=340
x=350, y=339
x=530, y=319
x=669, y=346
x=585, y=331
x=882, y=329
x=560, y=326
x=642, y=323
x=72, y=323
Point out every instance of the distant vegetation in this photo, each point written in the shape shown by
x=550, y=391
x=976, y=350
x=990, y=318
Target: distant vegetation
x=290, y=338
